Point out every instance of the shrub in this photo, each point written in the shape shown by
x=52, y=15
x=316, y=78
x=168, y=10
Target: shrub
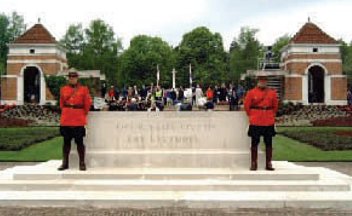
x=14, y=139
x=54, y=84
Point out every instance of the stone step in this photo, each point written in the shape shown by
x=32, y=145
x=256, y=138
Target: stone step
x=172, y=185
x=289, y=186
x=162, y=158
x=155, y=176
x=188, y=199
x=48, y=171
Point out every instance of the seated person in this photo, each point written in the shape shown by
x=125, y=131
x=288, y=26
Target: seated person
x=186, y=107
x=209, y=105
x=132, y=106
x=153, y=107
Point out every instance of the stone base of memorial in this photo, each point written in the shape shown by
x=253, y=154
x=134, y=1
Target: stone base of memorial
x=168, y=139
x=172, y=159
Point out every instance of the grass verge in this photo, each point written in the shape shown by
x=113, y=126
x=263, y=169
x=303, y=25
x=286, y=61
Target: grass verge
x=287, y=149
x=43, y=151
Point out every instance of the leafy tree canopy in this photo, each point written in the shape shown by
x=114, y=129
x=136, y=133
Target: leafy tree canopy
x=204, y=50
x=138, y=64
x=245, y=51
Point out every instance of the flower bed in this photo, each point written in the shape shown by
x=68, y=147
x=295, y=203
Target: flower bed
x=338, y=121
x=327, y=139
x=13, y=122
x=6, y=107
x=38, y=115
x=313, y=115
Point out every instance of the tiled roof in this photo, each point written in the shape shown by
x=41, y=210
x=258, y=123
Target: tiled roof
x=37, y=34
x=311, y=33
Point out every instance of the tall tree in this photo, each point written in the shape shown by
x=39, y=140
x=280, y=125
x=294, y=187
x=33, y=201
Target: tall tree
x=95, y=47
x=138, y=64
x=280, y=43
x=102, y=48
x=73, y=41
x=4, y=23
x=10, y=28
x=245, y=52
x=16, y=26
x=346, y=55
x=204, y=50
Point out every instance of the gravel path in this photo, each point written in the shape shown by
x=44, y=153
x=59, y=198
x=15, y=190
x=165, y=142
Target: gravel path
x=169, y=212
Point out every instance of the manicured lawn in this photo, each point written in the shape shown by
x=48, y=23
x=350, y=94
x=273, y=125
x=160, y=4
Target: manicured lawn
x=14, y=139
x=43, y=151
x=287, y=149
x=325, y=138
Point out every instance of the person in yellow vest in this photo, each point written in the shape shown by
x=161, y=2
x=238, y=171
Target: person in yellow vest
x=159, y=98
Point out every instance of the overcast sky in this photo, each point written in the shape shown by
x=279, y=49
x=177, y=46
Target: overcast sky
x=170, y=19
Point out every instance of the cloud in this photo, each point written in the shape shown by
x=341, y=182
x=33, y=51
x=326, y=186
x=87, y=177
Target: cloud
x=273, y=24
x=170, y=19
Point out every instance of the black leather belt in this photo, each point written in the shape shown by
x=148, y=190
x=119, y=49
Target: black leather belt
x=74, y=106
x=261, y=108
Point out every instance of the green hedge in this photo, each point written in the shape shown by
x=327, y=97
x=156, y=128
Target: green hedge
x=14, y=139
x=55, y=83
x=325, y=138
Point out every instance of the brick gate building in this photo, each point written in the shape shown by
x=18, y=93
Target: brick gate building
x=31, y=56
x=310, y=71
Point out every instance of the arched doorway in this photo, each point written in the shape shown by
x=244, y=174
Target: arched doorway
x=31, y=85
x=316, y=91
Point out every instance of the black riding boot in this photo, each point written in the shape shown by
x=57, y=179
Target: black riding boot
x=269, y=156
x=81, y=149
x=254, y=158
x=65, y=159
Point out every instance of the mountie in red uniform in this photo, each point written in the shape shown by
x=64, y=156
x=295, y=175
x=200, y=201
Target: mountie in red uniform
x=261, y=105
x=74, y=103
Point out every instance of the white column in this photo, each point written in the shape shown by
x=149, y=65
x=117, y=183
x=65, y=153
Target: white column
x=42, y=89
x=327, y=89
x=305, y=89
x=20, y=96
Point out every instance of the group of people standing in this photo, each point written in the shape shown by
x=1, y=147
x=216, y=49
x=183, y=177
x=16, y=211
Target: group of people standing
x=260, y=103
x=139, y=99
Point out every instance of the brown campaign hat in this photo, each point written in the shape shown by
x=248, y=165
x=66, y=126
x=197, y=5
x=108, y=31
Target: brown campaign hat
x=72, y=72
x=261, y=75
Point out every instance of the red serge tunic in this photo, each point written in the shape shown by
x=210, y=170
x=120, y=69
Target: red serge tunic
x=261, y=106
x=74, y=105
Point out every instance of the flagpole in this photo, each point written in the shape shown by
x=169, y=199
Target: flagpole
x=174, y=78
x=157, y=75
x=190, y=75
